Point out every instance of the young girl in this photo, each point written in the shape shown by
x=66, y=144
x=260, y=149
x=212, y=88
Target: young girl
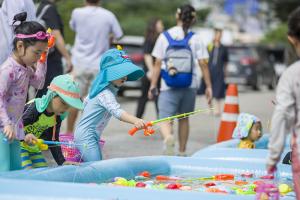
x=172, y=100
x=248, y=129
x=154, y=28
x=286, y=116
x=42, y=119
x=101, y=104
x=19, y=71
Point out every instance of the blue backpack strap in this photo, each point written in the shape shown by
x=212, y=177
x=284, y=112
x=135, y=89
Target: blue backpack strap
x=169, y=38
x=188, y=36
x=179, y=43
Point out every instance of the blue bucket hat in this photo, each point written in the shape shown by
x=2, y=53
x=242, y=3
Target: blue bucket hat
x=244, y=124
x=114, y=65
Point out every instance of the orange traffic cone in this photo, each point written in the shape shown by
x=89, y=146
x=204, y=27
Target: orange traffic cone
x=230, y=114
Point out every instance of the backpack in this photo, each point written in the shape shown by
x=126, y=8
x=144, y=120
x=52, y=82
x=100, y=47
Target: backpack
x=179, y=62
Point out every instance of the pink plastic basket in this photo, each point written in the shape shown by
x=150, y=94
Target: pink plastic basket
x=70, y=152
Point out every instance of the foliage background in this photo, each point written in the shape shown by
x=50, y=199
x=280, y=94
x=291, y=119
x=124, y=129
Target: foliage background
x=133, y=15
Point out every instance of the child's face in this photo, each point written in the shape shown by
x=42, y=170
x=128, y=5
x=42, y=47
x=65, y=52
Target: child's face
x=119, y=82
x=255, y=132
x=30, y=55
x=59, y=106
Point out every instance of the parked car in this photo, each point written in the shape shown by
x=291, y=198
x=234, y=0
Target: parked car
x=250, y=65
x=133, y=45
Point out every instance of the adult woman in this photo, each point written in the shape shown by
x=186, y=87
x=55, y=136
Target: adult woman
x=154, y=28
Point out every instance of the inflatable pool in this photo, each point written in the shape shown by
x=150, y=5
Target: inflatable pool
x=228, y=151
x=262, y=143
x=79, y=182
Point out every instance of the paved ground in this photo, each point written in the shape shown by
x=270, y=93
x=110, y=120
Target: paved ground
x=204, y=127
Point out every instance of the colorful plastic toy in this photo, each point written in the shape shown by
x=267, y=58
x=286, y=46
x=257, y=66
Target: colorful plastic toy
x=145, y=174
x=148, y=131
x=224, y=177
x=51, y=43
x=267, y=191
x=166, y=178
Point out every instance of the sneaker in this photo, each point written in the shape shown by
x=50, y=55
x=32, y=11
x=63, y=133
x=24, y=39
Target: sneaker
x=169, y=146
x=182, y=154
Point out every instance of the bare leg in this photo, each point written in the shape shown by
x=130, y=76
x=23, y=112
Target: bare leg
x=166, y=131
x=73, y=113
x=183, y=134
x=218, y=107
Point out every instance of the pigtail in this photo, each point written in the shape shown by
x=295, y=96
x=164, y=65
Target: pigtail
x=20, y=17
x=187, y=15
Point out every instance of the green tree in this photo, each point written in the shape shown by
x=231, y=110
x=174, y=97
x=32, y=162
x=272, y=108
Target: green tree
x=133, y=15
x=282, y=9
x=277, y=35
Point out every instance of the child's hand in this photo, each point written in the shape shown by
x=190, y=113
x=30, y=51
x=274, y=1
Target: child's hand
x=9, y=132
x=139, y=123
x=209, y=94
x=271, y=169
x=70, y=163
x=30, y=139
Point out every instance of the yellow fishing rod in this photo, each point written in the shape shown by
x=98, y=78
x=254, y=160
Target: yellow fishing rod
x=148, y=131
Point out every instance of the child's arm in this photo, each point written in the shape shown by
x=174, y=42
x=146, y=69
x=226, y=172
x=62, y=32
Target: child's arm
x=108, y=101
x=137, y=122
x=6, y=78
x=37, y=79
x=283, y=119
x=56, y=149
x=30, y=116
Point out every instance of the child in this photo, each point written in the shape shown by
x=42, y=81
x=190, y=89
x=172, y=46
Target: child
x=248, y=129
x=43, y=117
x=286, y=116
x=19, y=71
x=101, y=104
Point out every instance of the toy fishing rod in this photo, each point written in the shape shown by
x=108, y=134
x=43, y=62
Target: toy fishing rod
x=148, y=131
x=46, y=142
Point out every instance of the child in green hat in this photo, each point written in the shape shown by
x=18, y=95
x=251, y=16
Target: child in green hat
x=115, y=68
x=42, y=119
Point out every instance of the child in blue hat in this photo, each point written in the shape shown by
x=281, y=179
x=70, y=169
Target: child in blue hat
x=248, y=130
x=115, y=68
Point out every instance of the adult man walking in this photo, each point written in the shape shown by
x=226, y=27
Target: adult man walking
x=95, y=27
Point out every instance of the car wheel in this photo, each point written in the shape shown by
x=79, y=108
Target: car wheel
x=259, y=81
x=273, y=83
x=121, y=92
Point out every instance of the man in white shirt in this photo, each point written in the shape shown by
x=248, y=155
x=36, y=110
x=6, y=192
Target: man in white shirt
x=94, y=27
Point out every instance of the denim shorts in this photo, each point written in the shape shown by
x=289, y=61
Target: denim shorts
x=176, y=101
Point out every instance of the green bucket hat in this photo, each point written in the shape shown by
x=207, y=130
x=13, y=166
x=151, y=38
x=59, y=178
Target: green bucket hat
x=114, y=65
x=66, y=88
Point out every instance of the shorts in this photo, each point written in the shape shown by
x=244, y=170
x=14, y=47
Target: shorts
x=176, y=101
x=9, y=155
x=32, y=160
x=84, y=78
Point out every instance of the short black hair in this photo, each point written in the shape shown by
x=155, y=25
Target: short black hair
x=93, y=1
x=27, y=28
x=294, y=23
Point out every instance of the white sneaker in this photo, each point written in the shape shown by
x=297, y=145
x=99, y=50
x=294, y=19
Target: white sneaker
x=169, y=146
